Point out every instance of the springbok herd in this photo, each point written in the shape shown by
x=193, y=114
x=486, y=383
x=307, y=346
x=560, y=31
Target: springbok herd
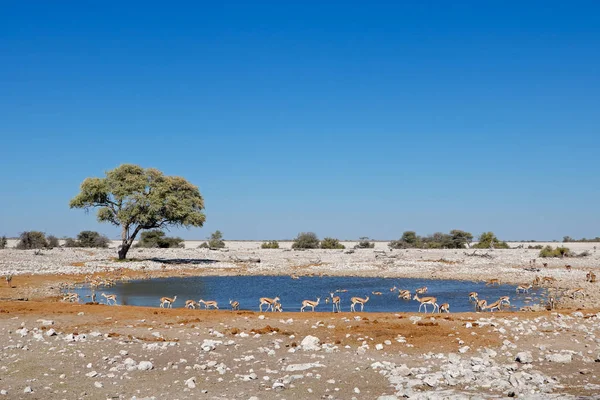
x=274, y=304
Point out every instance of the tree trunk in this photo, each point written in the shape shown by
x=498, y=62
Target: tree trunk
x=123, y=250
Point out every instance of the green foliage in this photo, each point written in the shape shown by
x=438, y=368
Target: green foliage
x=32, y=240
x=204, y=246
x=88, y=239
x=488, y=240
x=157, y=239
x=3, y=242
x=216, y=240
x=364, y=243
x=559, y=251
x=306, y=240
x=456, y=239
x=52, y=242
x=138, y=199
x=331, y=243
x=273, y=244
x=535, y=247
x=568, y=239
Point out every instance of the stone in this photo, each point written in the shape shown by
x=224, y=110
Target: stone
x=145, y=366
x=562, y=358
x=50, y=332
x=302, y=367
x=28, y=390
x=524, y=357
x=378, y=346
x=98, y=384
x=310, y=343
x=191, y=383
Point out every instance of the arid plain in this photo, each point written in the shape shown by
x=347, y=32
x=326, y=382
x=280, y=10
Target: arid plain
x=52, y=349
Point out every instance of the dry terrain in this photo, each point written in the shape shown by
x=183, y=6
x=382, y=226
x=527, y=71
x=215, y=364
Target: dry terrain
x=56, y=350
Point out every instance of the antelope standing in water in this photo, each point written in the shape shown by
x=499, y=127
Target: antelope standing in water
x=168, y=301
x=426, y=300
x=358, y=300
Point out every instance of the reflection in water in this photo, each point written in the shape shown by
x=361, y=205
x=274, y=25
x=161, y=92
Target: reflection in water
x=248, y=289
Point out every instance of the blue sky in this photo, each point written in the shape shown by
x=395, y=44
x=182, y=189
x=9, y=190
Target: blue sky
x=344, y=118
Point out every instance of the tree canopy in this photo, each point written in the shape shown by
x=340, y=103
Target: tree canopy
x=135, y=199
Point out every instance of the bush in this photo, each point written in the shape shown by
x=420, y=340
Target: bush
x=559, y=251
x=32, y=240
x=204, y=246
x=488, y=240
x=216, y=240
x=331, y=243
x=52, y=241
x=364, y=243
x=273, y=244
x=158, y=240
x=92, y=239
x=536, y=247
x=306, y=240
x=3, y=242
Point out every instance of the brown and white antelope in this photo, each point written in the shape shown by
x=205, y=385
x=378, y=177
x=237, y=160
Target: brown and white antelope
x=505, y=299
x=523, y=288
x=358, y=300
x=208, y=304
x=235, y=305
x=310, y=303
x=269, y=302
x=421, y=290
x=578, y=291
x=376, y=293
x=404, y=294
x=444, y=308
x=492, y=282
x=335, y=300
x=109, y=298
x=548, y=279
x=191, y=304
x=168, y=301
x=590, y=277
x=495, y=305
x=473, y=296
x=426, y=300
x=481, y=305
x=568, y=267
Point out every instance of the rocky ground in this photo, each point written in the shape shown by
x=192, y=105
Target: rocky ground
x=72, y=351
x=55, y=350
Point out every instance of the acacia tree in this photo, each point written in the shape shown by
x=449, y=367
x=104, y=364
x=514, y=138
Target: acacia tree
x=135, y=198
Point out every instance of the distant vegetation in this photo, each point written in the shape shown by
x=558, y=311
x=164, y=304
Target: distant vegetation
x=456, y=239
x=157, y=239
x=568, y=239
x=306, y=240
x=52, y=242
x=3, y=242
x=364, y=243
x=214, y=242
x=331, y=243
x=559, y=251
x=488, y=240
x=88, y=239
x=32, y=240
x=273, y=244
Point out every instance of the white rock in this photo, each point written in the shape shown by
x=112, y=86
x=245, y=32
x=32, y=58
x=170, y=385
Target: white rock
x=91, y=374
x=98, y=384
x=191, y=383
x=562, y=358
x=303, y=367
x=310, y=343
x=50, y=332
x=28, y=390
x=524, y=357
x=145, y=366
x=378, y=346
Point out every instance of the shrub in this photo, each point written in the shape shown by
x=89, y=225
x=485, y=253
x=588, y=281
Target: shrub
x=158, y=240
x=3, y=242
x=32, y=240
x=559, y=251
x=70, y=242
x=306, y=240
x=52, y=241
x=331, y=243
x=216, y=240
x=273, y=244
x=488, y=240
x=536, y=247
x=204, y=246
x=364, y=243
x=92, y=239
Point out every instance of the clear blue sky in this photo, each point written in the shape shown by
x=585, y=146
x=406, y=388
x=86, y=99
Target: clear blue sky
x=345, y=118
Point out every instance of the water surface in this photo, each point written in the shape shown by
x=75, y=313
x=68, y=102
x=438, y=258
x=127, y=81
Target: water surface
x=248, y=289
